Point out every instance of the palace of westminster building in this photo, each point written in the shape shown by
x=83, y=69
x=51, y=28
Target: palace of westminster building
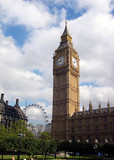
x=68, y=122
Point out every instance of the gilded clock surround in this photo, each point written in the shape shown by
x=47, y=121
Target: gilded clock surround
x=56, y=58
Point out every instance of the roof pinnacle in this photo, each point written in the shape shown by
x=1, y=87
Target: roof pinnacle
x=66, y=36
x=66, y=22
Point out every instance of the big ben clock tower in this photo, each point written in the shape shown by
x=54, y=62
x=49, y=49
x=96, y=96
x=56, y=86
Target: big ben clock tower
x=65, y=86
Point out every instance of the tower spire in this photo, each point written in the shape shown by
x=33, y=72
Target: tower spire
x=66, y=35
x=66, y=22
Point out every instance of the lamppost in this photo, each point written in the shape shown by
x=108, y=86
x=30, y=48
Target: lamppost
x=20, y=135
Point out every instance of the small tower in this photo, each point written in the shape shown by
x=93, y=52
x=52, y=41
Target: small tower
x=108, y=105
x=99, y=107
x=90, y=107
x=84, y=110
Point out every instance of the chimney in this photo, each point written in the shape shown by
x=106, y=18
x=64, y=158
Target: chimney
x=7, y=102
x=2, y=97
x=17, y=102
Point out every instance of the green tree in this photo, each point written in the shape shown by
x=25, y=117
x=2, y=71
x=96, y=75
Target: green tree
x=2, y=145
x=3, y=131
x=19, y=127
x=64, y=146
x=43, y=146
x=45, y=135
x=12, y=143
x=29, y=145
x=53, y=146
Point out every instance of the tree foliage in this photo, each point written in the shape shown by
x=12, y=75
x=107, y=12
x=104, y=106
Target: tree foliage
x=45, y=135
x=10, y=141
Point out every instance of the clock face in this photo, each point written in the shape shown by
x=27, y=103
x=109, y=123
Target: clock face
x=74, y=62
x=60, y=61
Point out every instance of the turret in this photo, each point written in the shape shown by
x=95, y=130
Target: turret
x=99, y=107
x=90, y=107
x=84, y=110
x=108, y=104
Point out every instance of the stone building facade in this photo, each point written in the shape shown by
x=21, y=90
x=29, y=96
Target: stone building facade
x=10, y=114
x=94, y=125
x=68, y=122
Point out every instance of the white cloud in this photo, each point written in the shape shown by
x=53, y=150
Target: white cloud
x=26, y=13
x=15, y=79
x=96, y=95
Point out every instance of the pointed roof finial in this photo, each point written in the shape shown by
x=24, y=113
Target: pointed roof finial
x=83, y=108
x=108, y=104
x=99, y=105
x=66, y=22
x=90, y=106
x=66, y=32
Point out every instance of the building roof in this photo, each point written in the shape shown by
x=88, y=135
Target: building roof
x=94, y=112
x=14, y=111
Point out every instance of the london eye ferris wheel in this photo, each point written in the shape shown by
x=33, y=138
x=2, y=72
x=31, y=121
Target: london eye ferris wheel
x=37, y=118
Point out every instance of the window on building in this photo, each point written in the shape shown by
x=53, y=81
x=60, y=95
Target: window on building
x=72, y=130
x=72, y=121
x=96, y=128
x=105, y=127
x=80, y=121
x=112, y=119
x=88, y=128
x=88, y=121
x=105, y=119
x=80, y=129
x=96, y=119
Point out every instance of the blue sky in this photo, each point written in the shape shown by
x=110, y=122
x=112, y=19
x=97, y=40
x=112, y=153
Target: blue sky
x=18, y=32
x=30, y=31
